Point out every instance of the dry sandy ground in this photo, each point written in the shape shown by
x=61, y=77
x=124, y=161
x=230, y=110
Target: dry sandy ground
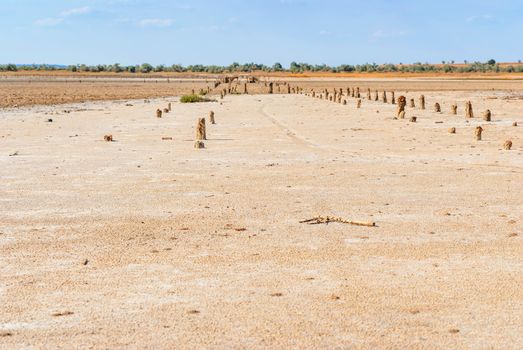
x=144, y=243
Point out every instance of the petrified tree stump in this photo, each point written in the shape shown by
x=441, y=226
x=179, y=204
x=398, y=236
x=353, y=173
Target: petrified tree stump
x=412, y=104
x=376, y=97
x=422, y=102
x=169, y=106
x=452, y=130
x=211, y=117
x=358, y=92
x=454, y=109
x=413, y=119
x=487, y=115
x=270, y=87
x=507, y=145
x=469, y=113
x=200, y=129
x=402, y=102
x=437, y=108
x=392, y=98
x=245, y=88
x=384, y=97
x=478, y=132
x=108, y=138
x=199, y=145
x=158, y=113
x=368, y=95
x=358, y=103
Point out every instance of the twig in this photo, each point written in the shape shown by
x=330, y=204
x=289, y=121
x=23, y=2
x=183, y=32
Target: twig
x=327, y=219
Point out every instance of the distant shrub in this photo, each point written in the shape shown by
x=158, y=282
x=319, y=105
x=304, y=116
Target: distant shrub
x=193, y=99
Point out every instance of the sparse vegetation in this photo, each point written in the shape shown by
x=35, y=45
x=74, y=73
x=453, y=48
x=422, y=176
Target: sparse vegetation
x=193, y=98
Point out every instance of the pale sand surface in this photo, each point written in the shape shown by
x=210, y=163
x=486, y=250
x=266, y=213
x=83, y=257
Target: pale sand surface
x=160, y=226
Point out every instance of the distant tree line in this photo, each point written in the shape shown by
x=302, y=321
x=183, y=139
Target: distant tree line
x=295, y=67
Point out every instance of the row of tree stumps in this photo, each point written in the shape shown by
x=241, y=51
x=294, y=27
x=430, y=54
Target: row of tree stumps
x=341, y=96
x=337, y=95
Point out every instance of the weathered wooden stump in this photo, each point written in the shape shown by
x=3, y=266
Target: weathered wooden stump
x=200, y=129
x=452, y=130
x=413, y=119
x=245, y=88
x=376, y=97
x=108, y=138
x=392, y=98
x=271, y=86
x=384, y=97
x=437, y=107
x=469, y=113
x=358, y=103
x=454, y=109
x=487, y=115
x=422, y=102
x=158, y=113
x=358, y=92
x=211, y=117
x=507, y=145
x=412, y=104
x=402, y=102
x=368, y=94
x=478, y=131
x=199, y=144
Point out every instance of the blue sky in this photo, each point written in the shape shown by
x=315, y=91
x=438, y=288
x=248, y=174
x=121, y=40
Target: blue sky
x=261, y=31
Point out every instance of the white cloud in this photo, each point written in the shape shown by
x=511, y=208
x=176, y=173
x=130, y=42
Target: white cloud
x=156, y=22
x=48, y=22
x=479, y=18
x=76, y=11
x=53, y=21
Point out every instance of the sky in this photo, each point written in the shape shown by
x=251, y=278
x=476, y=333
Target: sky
x=262, y=31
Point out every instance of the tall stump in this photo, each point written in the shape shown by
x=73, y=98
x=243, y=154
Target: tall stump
x=469, y=113
x=200, y=130
x=402, y=102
